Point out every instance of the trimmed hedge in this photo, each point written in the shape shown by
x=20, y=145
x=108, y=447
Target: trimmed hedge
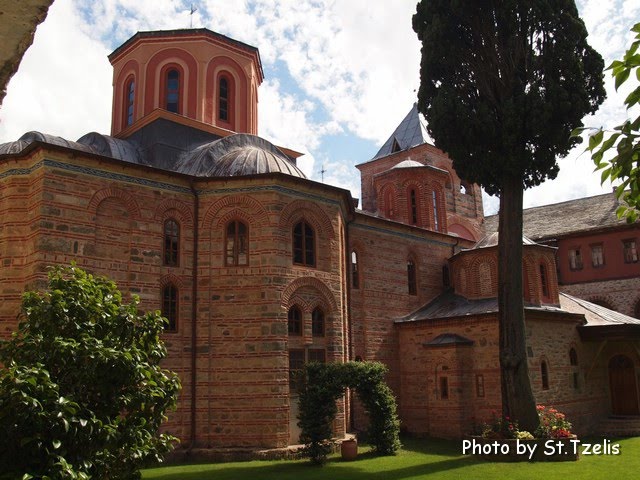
x=324, y=383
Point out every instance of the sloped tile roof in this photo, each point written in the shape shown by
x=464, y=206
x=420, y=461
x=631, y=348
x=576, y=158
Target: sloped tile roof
x=562, y=219
x=411, y=132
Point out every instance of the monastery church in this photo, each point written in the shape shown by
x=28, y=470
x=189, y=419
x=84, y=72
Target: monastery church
x=259, y=269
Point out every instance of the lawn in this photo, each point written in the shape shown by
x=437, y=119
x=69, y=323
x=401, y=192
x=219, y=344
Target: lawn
x=417, y=460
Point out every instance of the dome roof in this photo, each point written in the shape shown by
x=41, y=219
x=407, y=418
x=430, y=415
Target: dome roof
x=33, y=136
x=408, y=164
x=237, y=155
x=108, y=146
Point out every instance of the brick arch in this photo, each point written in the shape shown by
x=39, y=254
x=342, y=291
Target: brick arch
x=223, y=64
x=464, y=229
x=381, y=195
x=153, y=79
x=171, y=279
x=245, y=201
x=324, y=291
x=299, y=209
x=184, y=212
x=235, y=214
x=131, y=69
x=298, y=301
x=110, y=192
x=493, y=272
x=552, y=284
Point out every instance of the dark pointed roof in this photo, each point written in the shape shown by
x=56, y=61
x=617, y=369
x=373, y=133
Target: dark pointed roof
x=411, y=132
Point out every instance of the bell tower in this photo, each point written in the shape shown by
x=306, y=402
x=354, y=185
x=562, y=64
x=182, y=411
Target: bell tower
x=194, y=73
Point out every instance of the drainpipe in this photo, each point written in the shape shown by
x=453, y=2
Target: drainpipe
x=194, y=316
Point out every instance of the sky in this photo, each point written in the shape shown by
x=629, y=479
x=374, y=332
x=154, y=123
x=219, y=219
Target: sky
x=340, y=75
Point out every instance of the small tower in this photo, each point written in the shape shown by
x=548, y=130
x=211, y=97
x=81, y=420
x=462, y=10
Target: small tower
x=195, y=73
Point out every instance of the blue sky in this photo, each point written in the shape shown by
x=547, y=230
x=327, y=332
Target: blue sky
x=339, y=75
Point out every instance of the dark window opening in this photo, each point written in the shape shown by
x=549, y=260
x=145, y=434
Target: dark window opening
x=170, y=307
x=480, y=385
x=295, y=321
x=173, y=91
x=444, y=388
x=411, y=278
x=355, y=275
x=317, y=322
x=130, y=100
x=171, y=243
x=575, y=259
x=223, y=100
x=414, y=206
x=544, y=374
x=317, y=355
x=436, y=219
x=303, y=244
x=543, y=281
x=573, y=357
x=237, y=244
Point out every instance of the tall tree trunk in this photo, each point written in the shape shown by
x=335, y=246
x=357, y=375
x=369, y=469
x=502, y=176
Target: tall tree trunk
x=517, y=398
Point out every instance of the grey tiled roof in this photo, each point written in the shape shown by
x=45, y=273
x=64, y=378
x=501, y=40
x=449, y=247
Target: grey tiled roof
x=412, y=131
x=561, y=219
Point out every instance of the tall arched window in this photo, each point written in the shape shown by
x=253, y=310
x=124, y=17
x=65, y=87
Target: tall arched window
x=170, y=306
x=295, y=321
x=411, y=277
x=388, y=203
x=317, y=322
x=355, y=274
x=304, y=244
x=223, y=99
x=413, y=207
x=544, y=375
x=573, y=357
x=237, y=243
x=171, y=244
x=172, y=94
x=436, y=218
x=129, y=102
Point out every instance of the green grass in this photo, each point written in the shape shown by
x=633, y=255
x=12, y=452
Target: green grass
x=418, y=459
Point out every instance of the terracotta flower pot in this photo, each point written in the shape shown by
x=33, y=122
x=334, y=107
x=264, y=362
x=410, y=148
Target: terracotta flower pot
x=349, y=449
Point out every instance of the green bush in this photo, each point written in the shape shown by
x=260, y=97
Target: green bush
x=82, y=394
x=324, y=384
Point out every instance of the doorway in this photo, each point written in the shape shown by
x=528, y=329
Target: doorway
x=623, y=386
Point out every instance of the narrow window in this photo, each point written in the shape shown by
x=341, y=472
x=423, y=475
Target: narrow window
x=173, y=91
x=237, y=251
x=444, y=388
x=171, y=243
x=411, y=277
x=129, y=102
x=544, y=374
x=223, y=99
x=295, y=321
x=355, y=275
x=630, y=251
x=317, y=322
x=597, y=256
x=436, y=220
x=575, y=259
x=170, y=306
x=544, y=281
x=573, y=357
x=480, y=385
x=304, y=244
x=413, y=204
x=317, y=355
x=388, y=203
x=296, y=362
x=576, y=380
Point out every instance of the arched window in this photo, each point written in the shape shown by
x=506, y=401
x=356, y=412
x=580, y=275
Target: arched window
x=544, y=375
x=355, y=274
x=317, y=322
x=544, y=281
x=170, y=306
x=223, y=99
x=237, y=244
x=295, y=321
x=304, y=244
x=411, y=277
x=172, y=94
x=129, y=101
x=573, y=357
x=171, y=243
x=413, y=207
x=436, y=219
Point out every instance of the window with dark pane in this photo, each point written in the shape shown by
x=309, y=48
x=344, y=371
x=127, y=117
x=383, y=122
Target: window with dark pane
x=303, y=244
x=170, y=306
x=295, y=321
x=171, y=243
x=130, y=100
x=317, y=322
x=573, y=357
x=544, y=375
x=444, y=388
x=411, y=277
x=414, y=206
x=173, y=91
x=237, y=244
x=223, y=99
x=544, y=280
x=317, y=355
x=436, y=220
x=296, y=362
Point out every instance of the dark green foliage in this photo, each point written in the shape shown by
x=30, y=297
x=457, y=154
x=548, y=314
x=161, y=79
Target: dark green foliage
x=325, y=383
x=82, y=394
x=503, y=83
x=625, y=164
